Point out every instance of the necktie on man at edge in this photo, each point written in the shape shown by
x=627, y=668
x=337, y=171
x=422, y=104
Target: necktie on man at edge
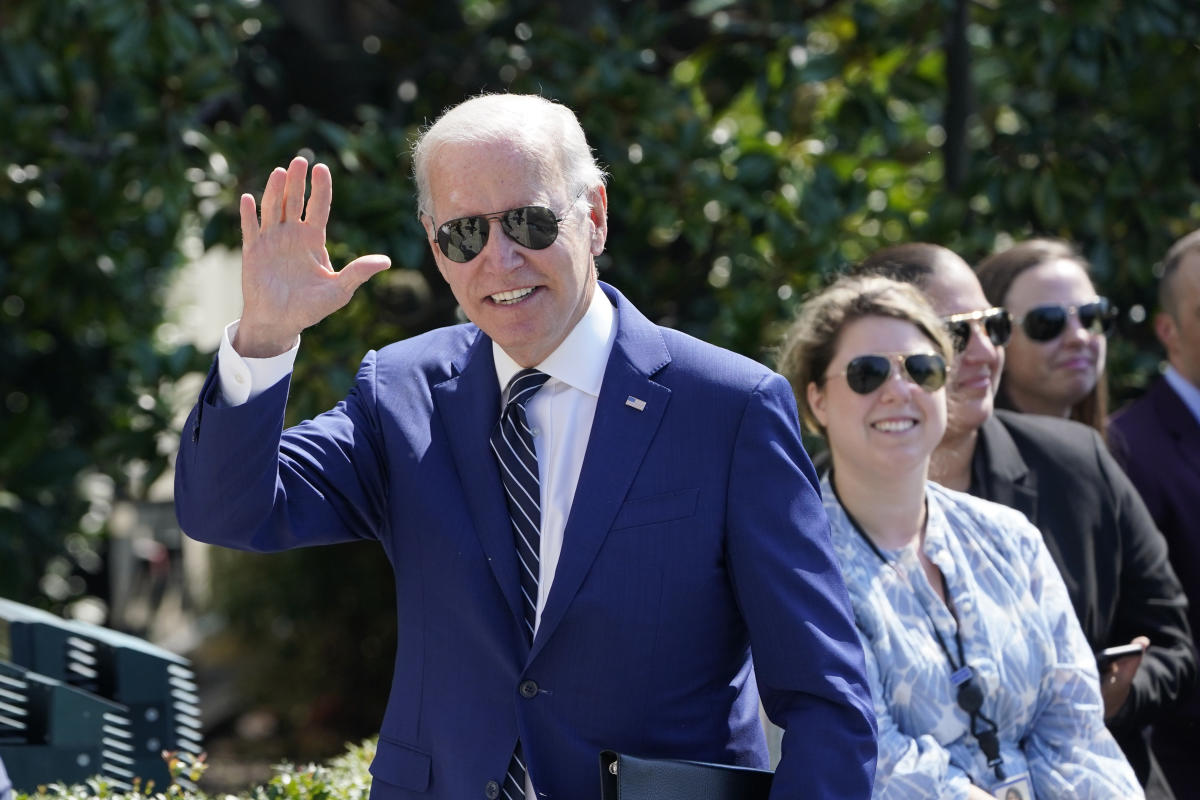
x=512, y=443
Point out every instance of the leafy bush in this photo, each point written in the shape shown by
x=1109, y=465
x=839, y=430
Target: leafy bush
x=343, y=778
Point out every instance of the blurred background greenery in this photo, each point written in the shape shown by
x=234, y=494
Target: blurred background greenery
x=754, y=148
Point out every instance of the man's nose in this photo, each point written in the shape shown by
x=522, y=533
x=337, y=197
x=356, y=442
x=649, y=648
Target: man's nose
x=500, y=252
x=979, y=346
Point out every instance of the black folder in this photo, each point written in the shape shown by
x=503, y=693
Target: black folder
x=625, y=777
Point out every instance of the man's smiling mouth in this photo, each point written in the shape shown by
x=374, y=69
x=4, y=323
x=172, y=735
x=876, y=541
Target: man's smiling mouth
x=508, y=298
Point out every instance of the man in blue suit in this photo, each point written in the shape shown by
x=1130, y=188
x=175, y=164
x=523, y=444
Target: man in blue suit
x=672, y=525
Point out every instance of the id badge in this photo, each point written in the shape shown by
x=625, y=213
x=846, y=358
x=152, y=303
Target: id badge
x=1014, y=789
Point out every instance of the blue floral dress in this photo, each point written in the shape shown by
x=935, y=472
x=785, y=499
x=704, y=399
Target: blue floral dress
x=1019, y=634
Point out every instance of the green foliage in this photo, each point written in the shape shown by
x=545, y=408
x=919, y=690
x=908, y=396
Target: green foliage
x=99, y=101
x=755, y=148
x=343, y=778
x=311, y=634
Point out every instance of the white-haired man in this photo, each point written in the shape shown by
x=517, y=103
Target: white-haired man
x=592, y=520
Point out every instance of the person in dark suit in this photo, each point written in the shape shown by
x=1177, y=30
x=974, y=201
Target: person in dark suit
x=1061, y=476
x=1157, y=440
x=585, y=553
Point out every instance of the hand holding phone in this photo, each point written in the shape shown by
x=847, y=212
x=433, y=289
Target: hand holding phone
x=1117, y=666
x=1110, y=654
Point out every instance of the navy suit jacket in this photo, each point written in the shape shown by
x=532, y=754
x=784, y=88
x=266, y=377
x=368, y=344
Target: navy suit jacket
x=1157, y=441
x=696, y=534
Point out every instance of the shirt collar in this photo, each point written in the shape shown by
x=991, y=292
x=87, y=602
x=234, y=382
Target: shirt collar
x=581, y=358
x=1189, y=394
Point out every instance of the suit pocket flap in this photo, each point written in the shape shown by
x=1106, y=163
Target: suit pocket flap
x=657, y=508
x=401, y=765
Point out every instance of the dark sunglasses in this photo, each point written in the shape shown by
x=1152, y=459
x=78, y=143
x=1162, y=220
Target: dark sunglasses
x=865, y=374
x=1045, y=323
x=535, y=227
x=970, y=700
x=997, y=324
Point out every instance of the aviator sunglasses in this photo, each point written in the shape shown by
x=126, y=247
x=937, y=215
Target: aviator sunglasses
x=535, y=227
x=997, y=324
x=1045, y=323
x=865, y=374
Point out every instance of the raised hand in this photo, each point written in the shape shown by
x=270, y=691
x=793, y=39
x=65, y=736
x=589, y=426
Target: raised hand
x=288, y=283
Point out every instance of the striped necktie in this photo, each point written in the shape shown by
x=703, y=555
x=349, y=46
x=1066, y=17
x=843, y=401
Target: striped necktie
x=512, y=442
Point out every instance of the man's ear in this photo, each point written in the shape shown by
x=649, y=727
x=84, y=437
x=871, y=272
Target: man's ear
x=1167, y=331
x=598, y=214
x=816, y=403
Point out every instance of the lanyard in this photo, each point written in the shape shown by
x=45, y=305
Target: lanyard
x=969, y=697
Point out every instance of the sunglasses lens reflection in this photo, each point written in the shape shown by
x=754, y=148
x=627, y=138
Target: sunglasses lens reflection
x=865, y=374
x=1097, y=317
x=960, y=334
x=997, y=324
x=926, y=370
x=534, y=227
x=463, y=239
x=1045, y=323
x=999, y=327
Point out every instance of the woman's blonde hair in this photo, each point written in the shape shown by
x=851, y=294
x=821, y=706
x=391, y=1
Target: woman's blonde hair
x=812, y=339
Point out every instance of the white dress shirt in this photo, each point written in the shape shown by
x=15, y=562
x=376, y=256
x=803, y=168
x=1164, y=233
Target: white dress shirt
x=560, y=415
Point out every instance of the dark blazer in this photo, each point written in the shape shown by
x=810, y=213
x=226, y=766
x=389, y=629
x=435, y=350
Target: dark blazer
x=1112, y=557
x=696, y=533
x=1157, y=440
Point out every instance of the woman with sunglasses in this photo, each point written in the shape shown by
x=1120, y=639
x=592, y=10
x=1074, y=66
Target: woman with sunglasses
x=1059, y=474
x=981, y=675
x=1057, y=352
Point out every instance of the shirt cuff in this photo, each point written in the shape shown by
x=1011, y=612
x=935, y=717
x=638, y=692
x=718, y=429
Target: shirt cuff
x=243, y=379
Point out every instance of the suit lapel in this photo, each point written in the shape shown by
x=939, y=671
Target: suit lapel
x=1178, y=420
x=620, y=436
x=1010, y=481
x=1013, y=484
x=468, y=405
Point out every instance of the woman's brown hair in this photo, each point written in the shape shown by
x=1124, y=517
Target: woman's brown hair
x=996, y=275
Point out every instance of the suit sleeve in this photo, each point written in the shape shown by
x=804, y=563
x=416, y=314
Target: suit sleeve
x=808, y=658
x=1152, y=604
x=241, y=481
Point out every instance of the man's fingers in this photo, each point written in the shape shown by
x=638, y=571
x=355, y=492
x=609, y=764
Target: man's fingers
x=321, y=198
x=249, y=216
x=272, y=198
x=293, y=190
x=361, y=269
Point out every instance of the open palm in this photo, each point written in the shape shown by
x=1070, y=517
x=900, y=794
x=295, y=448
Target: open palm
x=288, y=282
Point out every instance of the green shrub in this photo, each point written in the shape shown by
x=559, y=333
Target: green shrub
x=343, y=778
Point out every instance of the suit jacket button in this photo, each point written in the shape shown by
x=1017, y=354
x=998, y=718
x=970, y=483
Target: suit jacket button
x=528, y=689
x=491, y=790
